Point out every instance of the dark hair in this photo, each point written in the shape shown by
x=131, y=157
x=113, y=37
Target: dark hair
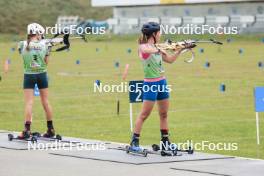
x=29, y=36
x=145, y=37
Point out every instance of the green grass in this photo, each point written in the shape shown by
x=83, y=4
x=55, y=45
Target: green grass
x=198, y=110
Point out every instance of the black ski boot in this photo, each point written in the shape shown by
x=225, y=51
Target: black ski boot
x=49, y=134
x=25, y=134
x=167, y=148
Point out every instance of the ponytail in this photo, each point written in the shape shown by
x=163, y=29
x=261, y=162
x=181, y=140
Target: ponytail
x=29, y=37
x=145, y=37
x=142, y=39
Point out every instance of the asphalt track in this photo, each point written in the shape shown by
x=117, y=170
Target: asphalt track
x=106, y=158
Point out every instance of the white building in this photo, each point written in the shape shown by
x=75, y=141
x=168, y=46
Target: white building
x=129, y=15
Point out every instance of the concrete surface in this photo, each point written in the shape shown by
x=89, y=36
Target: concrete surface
x=112, y=162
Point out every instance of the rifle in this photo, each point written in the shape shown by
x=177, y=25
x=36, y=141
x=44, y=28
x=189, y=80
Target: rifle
x=65, y=41
x=185, y=46
x=57, y=41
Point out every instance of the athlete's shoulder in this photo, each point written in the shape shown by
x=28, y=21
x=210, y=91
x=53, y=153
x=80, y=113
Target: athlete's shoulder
x=141, y=51
x=145, y=45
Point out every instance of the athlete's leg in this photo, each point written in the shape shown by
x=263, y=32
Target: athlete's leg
x=45, y=103
x=28, y=86
x=42, y=81
x=29, y=100
x=163, y=107
x=48, y=111
x=144, y=114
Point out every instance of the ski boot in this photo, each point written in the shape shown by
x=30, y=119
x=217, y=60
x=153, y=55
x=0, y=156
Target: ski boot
x=136, y=149
x=166, y=148
x=50, y=134
x=26, y=134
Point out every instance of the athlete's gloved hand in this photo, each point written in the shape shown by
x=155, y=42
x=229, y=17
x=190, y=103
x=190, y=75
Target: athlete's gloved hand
x=49, y=46
x=189, y=44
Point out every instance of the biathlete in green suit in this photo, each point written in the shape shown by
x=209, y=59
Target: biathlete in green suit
x=35, y=55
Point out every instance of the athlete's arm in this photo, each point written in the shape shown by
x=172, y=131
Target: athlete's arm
x=20, y=47
x=46, y=59
x=170, y=58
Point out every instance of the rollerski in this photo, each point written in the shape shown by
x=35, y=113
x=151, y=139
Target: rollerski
x=136, y=149
x=166, y=149
x=156, y=147
x=49, y=135
x=189, y=150
x=24, y=136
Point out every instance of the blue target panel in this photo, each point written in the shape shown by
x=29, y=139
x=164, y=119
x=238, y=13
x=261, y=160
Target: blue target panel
x=98, y=82
x=201, y=50
x=222, y=87
x=117, y=64
x=135, y=91
x=259, y=99
x=129, y=50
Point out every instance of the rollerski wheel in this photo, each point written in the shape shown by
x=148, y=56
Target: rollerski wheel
x=143, y=152
x=36, y=134
x=171, y=151
x=165, y=153
x=34, y=139
x=190, y=150
x=174, y=152
x=127, y=149
x=58, y=137
x=10, y=137
x=155, y=147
